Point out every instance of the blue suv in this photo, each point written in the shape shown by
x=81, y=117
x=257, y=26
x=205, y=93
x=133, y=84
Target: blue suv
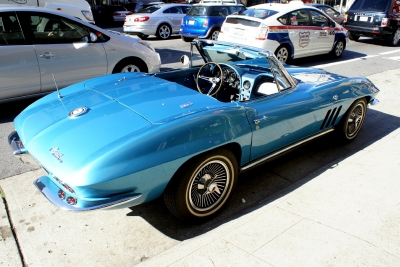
x=205, y=20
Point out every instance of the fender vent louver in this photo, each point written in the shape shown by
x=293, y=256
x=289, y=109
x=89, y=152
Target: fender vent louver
x=330, y=117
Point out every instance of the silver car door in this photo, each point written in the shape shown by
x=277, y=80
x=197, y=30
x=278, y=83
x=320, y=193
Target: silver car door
x=174, y=18
x=19, y=69
x=63, y=50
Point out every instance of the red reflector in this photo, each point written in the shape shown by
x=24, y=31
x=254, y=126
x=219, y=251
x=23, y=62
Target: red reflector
x=205, y=23
x=141, y=19
x=61, y=194
x=58, y=8
x=71, y=201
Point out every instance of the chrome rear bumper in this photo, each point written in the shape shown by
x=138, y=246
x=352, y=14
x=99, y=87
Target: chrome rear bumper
x=15, y=143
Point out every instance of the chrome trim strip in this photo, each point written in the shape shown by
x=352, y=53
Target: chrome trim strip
x=284, y=150
x=61, y=204
x=15, y=143
x=374, y=101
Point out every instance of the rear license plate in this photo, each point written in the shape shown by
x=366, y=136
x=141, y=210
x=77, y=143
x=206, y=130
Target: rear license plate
x=191, y=22
x=238, y=32
x=363, y=18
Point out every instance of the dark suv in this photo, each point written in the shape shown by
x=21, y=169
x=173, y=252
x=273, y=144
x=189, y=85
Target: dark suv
x=205, y=20
x=374, y=18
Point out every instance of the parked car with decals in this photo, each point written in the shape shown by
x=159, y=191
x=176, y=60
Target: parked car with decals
x=124, y=139
x=290, y=30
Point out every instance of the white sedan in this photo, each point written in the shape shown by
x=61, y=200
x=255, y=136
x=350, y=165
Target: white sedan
x=161, y=20
x=290, y=30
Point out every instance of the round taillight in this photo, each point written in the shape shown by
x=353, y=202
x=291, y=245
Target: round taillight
x=61, y=194
x=71, y=200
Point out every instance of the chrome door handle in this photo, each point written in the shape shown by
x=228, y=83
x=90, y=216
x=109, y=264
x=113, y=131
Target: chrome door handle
x=47, y=55
x=257, y=121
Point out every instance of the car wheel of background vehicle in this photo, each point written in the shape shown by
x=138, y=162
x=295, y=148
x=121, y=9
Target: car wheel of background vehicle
x=338, y=49
x=202, y=186
x=214, y=35
x=282, y=54
x=132, y=64
x=143, y=36
x=353, y=36
x=163, y=31
x=394, y=39
x=353, y=120
x=187, y=39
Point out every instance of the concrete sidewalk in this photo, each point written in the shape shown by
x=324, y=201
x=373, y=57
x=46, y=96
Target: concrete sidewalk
x=344, y=214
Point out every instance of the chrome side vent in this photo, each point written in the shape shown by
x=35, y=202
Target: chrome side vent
x=330, y=117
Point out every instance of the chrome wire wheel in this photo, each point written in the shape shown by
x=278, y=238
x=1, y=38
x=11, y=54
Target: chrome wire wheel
x=282, y=54
x=202, y=186
x=164, y=32
x=355, y=120
x=208, y=187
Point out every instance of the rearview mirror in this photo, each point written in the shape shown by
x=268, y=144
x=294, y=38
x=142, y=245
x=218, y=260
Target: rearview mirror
x=93, y=37
x=185, y=61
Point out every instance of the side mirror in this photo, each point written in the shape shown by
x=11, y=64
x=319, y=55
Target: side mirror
x=93, y=37
x=185, y=61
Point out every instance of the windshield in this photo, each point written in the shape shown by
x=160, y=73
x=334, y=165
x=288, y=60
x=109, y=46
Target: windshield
x=259, y=13
x=150, y=9
x=224, y=52
x=370, y=5
x=197, y=11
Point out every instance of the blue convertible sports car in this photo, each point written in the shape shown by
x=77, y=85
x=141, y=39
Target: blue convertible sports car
x=124, y=139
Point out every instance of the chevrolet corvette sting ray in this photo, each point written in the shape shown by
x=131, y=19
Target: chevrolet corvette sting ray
x=124, y=139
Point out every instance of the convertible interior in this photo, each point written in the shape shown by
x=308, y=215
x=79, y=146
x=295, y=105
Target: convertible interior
x=228, y=83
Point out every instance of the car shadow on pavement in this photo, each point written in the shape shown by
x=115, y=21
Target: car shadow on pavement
x=264, y=184
x=10, y=110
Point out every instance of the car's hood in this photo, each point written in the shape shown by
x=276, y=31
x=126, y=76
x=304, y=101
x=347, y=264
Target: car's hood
x=118, y=107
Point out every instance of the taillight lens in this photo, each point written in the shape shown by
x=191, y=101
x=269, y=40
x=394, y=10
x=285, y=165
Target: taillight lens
x=262, y=33
x=141, y=19
x=205, y=23
x=384, y=22
x=181, y=21
x=71, y=200
x=61, y=194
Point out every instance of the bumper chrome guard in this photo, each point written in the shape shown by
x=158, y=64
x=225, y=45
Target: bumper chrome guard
x=15, y=143
x=60, y=203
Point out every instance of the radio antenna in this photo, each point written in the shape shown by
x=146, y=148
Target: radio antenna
x=58, y=91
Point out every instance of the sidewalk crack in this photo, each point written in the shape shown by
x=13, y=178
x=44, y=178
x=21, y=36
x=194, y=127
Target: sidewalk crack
x=21, y=256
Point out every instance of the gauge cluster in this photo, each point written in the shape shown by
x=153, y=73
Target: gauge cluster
x=230, y=76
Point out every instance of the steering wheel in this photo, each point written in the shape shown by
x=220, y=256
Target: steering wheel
x=216, y=82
